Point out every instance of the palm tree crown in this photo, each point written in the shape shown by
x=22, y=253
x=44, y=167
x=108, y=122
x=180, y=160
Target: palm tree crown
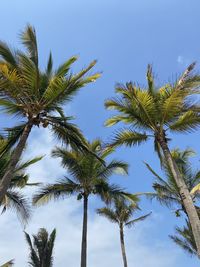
x=185, y=239
x=41, y=249
x=89, y=175
x=153, y=111
x=122, y=212
x=166, y=189
x=14, y=199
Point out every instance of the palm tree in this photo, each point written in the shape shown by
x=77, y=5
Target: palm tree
x=8, y=264
x=166, y=189
x=88, y=176
x=41, y=249
x=185, y=239
x=35, y=95
x=122, y=214
x=13, y=198
x=152, y=113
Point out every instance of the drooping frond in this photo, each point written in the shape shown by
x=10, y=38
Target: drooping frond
x=184, y=238
x=62, y=189
x=108, y=213
x=16, y=201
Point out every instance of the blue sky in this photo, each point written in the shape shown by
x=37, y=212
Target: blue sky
x=124, y=36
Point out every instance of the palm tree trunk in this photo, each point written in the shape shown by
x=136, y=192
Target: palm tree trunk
x=84, y=233
x=5, y=181
x=123, y=245
x=184, y=192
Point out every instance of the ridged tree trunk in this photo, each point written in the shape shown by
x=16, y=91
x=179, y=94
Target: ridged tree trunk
x=184, y=192
x=84, y=233
x=123, y=245
x=6, y=180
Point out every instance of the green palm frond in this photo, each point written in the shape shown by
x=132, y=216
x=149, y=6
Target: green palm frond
x=16, y=201
x=141, y=218
x=7, y=54
x=41, y=249
x=184, y=238
x=108, y=213
x=61, y=189
x=29, y=40
x=128, y=138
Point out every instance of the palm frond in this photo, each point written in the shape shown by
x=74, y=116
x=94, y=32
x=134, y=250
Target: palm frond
x=64, y=187
x=128, y=138
x=108, y=213
x=141, y=218
x=29, y=40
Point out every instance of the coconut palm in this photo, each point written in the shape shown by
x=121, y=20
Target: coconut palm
x=41, y=248
x=8, y=264
x=153, y=112
x=166, y=189
x=122, y=215
x=185, y=239
x=37, y=95
x=88, y=176
x=13, y=198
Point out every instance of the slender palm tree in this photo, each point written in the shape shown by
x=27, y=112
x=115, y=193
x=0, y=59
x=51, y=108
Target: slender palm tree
x=166, y=189
x=41, y=249
x=8, y=264
x=36, y=95
x=153, y=112
x=122, y=214
x=13, y=198
x=88, y=176
x=185, y=239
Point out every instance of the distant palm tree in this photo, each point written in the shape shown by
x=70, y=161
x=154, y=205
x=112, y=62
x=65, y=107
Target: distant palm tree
x=8, y=264
x=36, y=96
x=185, y=239
x=167, y=191
x=41, y=249
x=15, y=199
x=151, y=113
x=89, y=176
x=122, y=214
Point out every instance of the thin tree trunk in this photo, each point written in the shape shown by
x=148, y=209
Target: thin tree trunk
x=184, y=192
x=6, y=180
x=123, y=245
x=84, y=233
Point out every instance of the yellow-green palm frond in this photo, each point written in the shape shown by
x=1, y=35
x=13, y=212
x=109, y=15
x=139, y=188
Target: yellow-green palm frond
x=188, y=122
x=128, y=137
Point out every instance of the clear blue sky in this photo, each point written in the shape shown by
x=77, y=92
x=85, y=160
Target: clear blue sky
x=124, y=36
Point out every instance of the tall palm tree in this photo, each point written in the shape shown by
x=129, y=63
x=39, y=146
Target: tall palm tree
x=122, y=214
x=185, y=239
x=13, y=198
x=35, y=95
x=88, y=176
x=166, y=189
x=8, y=264
x=41, y=249
x=153, y=112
